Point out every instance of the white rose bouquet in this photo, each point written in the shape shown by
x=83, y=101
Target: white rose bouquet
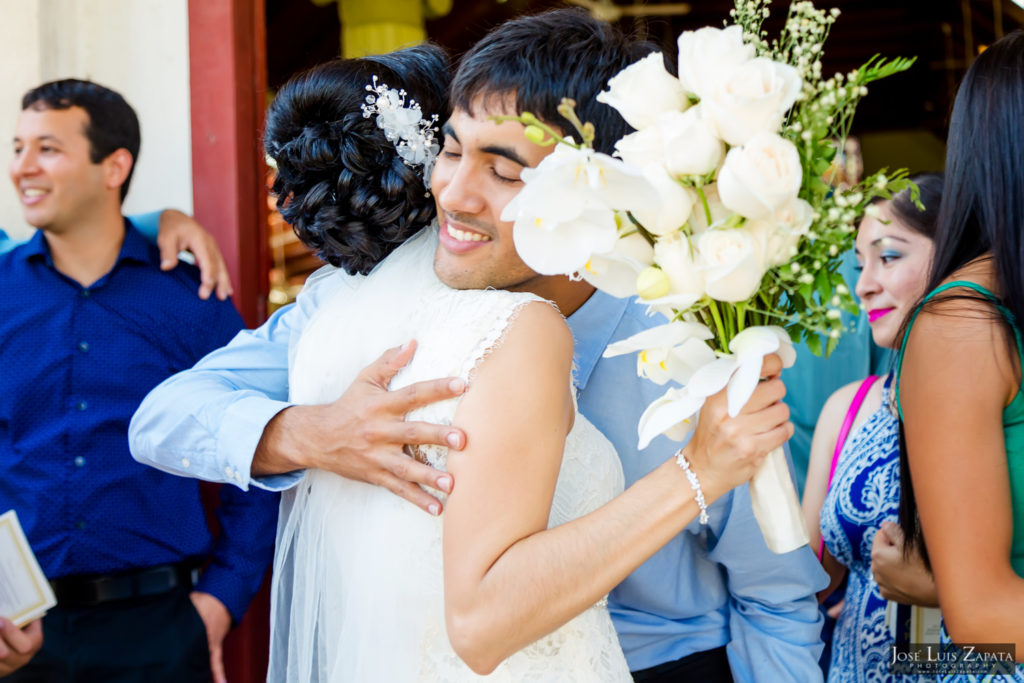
x=717, y=213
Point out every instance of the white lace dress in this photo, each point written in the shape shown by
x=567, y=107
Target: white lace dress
x=358, y=584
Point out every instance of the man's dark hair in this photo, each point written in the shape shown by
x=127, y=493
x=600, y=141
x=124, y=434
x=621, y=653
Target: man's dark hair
x=538, y=60
x=112, y=122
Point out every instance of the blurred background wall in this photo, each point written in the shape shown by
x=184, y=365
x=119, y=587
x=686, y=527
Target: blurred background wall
x=137, y=47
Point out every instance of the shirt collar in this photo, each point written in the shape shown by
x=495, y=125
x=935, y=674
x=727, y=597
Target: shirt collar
x=134, y=248
x=593, y=325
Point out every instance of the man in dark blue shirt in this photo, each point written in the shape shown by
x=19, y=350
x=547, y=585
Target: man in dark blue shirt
x=88, y=325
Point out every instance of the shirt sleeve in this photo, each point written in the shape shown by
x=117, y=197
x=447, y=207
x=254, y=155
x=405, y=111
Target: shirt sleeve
x=774, y=621
x=147, y=223
x=6, y=243
x=206, y=422
x=244, y=548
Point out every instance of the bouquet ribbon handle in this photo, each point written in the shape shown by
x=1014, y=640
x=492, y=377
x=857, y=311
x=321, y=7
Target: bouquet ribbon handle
x=776, y=506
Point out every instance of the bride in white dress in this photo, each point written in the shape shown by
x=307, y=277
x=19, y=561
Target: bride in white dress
x=366, y=586
x=509, y=581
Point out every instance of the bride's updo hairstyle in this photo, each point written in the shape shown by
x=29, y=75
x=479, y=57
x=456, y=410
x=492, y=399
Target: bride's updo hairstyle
x=340, y=182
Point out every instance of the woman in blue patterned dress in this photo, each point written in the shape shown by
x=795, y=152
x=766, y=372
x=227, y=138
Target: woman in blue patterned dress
x=894, y=250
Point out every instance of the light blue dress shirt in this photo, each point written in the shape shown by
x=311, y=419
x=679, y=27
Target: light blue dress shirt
x=707, y=588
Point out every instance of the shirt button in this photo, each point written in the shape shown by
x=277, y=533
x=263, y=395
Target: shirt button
x=79, y=461
x=81, y=405
x=85, y=293
x=185, y=462
x=227, y=471
x=80, y=524
x=83, y=346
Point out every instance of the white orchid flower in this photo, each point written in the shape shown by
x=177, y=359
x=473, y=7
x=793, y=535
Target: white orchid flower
x=565, y=211
x=741, y=370
x=615, y=272
x=674, y=415
x=566, y=246
x=668, y=305
x=668, y=335
x=667, y=352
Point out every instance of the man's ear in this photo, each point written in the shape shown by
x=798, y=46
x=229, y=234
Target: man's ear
x=116, y=167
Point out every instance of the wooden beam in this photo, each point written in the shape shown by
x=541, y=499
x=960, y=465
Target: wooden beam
x=227, y=54
x=227, y=49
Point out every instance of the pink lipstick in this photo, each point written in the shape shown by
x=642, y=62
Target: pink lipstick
x=877, y=313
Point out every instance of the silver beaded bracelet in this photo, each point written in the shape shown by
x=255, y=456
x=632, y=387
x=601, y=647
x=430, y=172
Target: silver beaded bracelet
x=691, y=477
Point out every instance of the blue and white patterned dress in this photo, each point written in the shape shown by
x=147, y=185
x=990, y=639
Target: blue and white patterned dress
x=865, y=492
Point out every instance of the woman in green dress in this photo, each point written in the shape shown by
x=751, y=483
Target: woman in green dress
x=959, y=381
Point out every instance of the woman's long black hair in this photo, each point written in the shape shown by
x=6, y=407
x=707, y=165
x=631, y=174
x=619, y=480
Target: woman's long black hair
x=982, y=210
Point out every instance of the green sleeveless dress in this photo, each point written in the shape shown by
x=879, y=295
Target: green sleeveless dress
x=1013, y=421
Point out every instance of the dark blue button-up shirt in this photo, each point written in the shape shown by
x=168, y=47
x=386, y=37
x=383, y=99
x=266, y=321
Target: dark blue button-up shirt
x=75, y=363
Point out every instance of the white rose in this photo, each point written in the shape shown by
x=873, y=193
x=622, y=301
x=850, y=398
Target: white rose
x=780, y=234
x=752, y=99
x=707, y=55
x=690, y=146
x=642, y=148
x=673, y=207
x=677, y=259
x=732, y=265
x=761, y=177
x=643, y=90
x=615, y=271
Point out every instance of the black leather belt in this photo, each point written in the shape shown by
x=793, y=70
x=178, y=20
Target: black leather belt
x=87, y=591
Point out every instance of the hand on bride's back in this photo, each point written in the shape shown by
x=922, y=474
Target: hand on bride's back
x=362, y=435
x=726, y=451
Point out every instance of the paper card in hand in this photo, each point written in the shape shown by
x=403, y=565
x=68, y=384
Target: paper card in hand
x=25, y=594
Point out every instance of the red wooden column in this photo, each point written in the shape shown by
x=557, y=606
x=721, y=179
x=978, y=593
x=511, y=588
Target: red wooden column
x=227, y=51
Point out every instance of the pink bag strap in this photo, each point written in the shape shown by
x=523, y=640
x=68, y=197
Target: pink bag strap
x=844, y=431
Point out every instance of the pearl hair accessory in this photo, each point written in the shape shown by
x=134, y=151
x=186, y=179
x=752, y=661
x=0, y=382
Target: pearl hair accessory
x=403, y=125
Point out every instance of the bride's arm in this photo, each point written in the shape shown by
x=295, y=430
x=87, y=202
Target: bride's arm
x=508, y=579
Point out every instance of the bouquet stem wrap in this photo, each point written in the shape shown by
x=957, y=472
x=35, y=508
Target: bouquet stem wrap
x=737, y=371
x=775, y=504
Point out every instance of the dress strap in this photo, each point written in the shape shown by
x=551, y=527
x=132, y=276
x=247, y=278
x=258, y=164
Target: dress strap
x=1006, y=313
x=844, y=432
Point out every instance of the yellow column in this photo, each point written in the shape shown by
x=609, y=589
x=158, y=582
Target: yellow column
x=371, y=27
